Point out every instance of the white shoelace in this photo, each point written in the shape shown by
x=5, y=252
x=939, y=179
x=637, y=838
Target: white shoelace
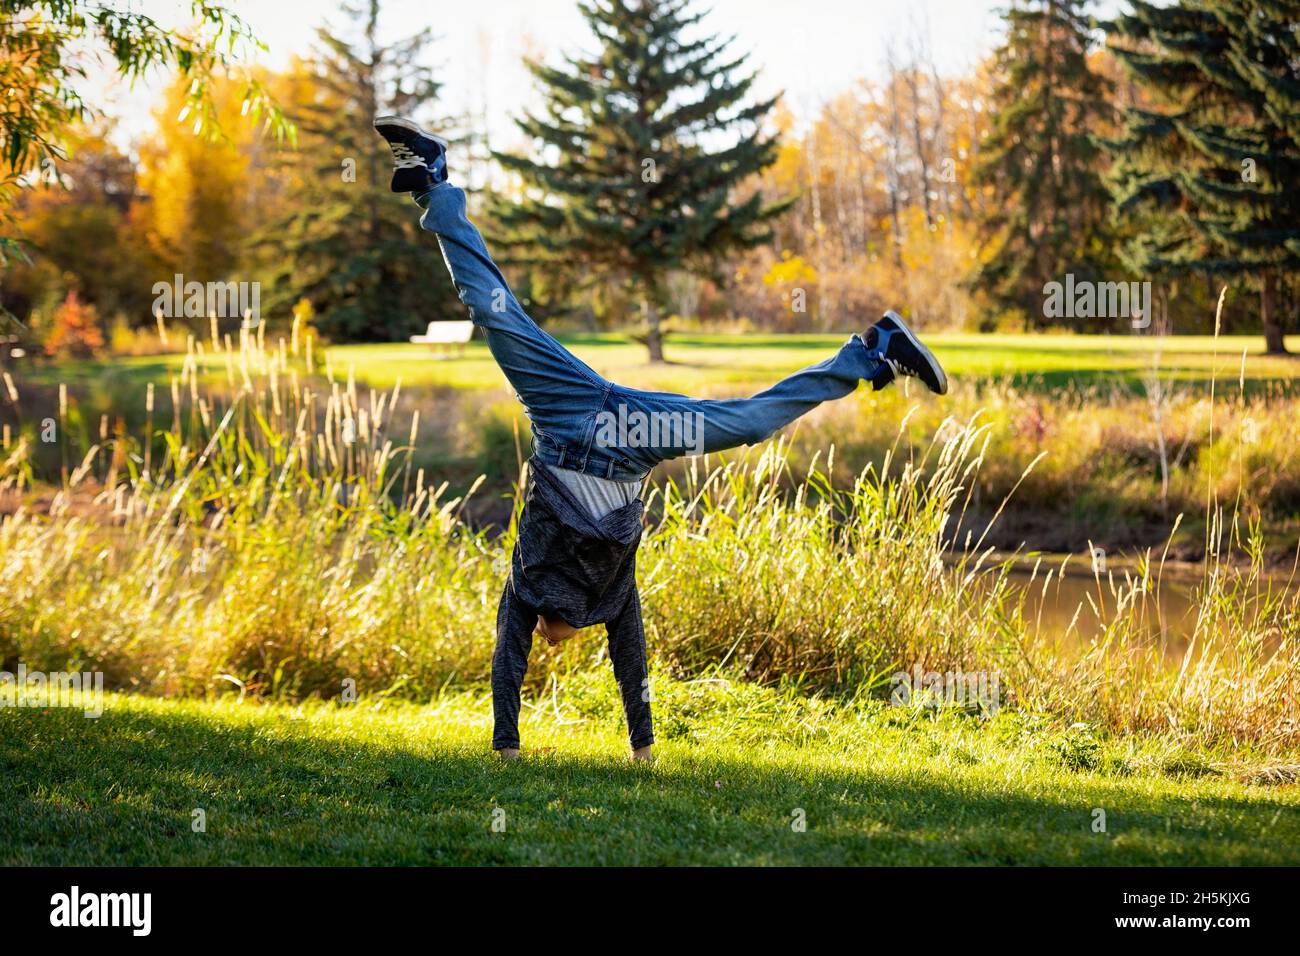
x=403, y=158
x=898, y=367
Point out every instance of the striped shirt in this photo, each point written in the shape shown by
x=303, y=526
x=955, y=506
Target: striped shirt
x=599, y=496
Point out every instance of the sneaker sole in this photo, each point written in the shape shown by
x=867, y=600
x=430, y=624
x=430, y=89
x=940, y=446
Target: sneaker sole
x=929, y=356
x=406, y=124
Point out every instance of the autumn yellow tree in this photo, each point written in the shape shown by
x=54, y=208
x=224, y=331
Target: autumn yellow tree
x=886, y=209
x=81, y=233
x=199, y=194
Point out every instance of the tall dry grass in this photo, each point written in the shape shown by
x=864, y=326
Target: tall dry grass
x=273, y=538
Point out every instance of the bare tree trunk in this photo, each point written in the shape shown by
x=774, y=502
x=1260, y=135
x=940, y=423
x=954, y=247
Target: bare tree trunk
x=973, y=114
x=654, y=337
x=911, y=76
x=941, y=141
x=895, y=150
x=862, y=213
x=1274, y=343
x=815, y=174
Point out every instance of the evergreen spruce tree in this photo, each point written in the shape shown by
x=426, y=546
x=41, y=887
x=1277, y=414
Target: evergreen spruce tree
x=642, y=147
x=1214, y=172
x=1048, y=216
x=347, y=244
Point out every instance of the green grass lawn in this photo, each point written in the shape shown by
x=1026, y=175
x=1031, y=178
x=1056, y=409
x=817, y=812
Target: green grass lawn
x=699, y=361
x=389, y=783
x=705, y=360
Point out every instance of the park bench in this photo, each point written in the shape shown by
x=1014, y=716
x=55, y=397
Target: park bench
x=11, y=347
x=445, y=335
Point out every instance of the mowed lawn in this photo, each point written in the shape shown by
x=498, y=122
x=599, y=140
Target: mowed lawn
x=766, y=782
x=698, y=361
x=736, y=363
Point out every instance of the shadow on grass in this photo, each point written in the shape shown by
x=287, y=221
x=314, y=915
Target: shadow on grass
x=124, y=789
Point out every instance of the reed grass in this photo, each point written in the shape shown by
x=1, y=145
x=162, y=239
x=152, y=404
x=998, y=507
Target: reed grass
x=272, y=536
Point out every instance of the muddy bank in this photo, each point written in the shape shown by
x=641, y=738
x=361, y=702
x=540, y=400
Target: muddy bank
x=1016, y=530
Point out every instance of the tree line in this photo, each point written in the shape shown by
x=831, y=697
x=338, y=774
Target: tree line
x=655, y=189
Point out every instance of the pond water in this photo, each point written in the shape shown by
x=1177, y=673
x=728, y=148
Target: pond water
x=1071, y=601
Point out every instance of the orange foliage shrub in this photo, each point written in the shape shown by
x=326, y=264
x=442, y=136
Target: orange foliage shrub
x=74, y=330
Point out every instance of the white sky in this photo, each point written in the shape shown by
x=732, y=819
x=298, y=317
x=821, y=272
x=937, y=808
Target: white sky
x=811, y=49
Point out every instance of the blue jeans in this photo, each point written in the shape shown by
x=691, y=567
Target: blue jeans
x=584, y=423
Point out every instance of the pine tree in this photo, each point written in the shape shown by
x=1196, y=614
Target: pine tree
x=1214, y=173
x=1048, y=212
x=642, y=147
x=347, y=244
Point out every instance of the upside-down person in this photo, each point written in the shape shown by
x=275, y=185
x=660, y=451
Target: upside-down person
x=574, y=561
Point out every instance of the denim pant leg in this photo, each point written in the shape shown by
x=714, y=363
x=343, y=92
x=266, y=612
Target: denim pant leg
x=718, y=424
x=556, y=389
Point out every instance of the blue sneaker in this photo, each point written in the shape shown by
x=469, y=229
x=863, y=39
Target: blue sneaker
x=419, y=158
x=902, y=353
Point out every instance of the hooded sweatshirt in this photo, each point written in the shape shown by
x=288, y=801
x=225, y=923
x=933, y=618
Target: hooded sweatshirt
x=582, y=570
